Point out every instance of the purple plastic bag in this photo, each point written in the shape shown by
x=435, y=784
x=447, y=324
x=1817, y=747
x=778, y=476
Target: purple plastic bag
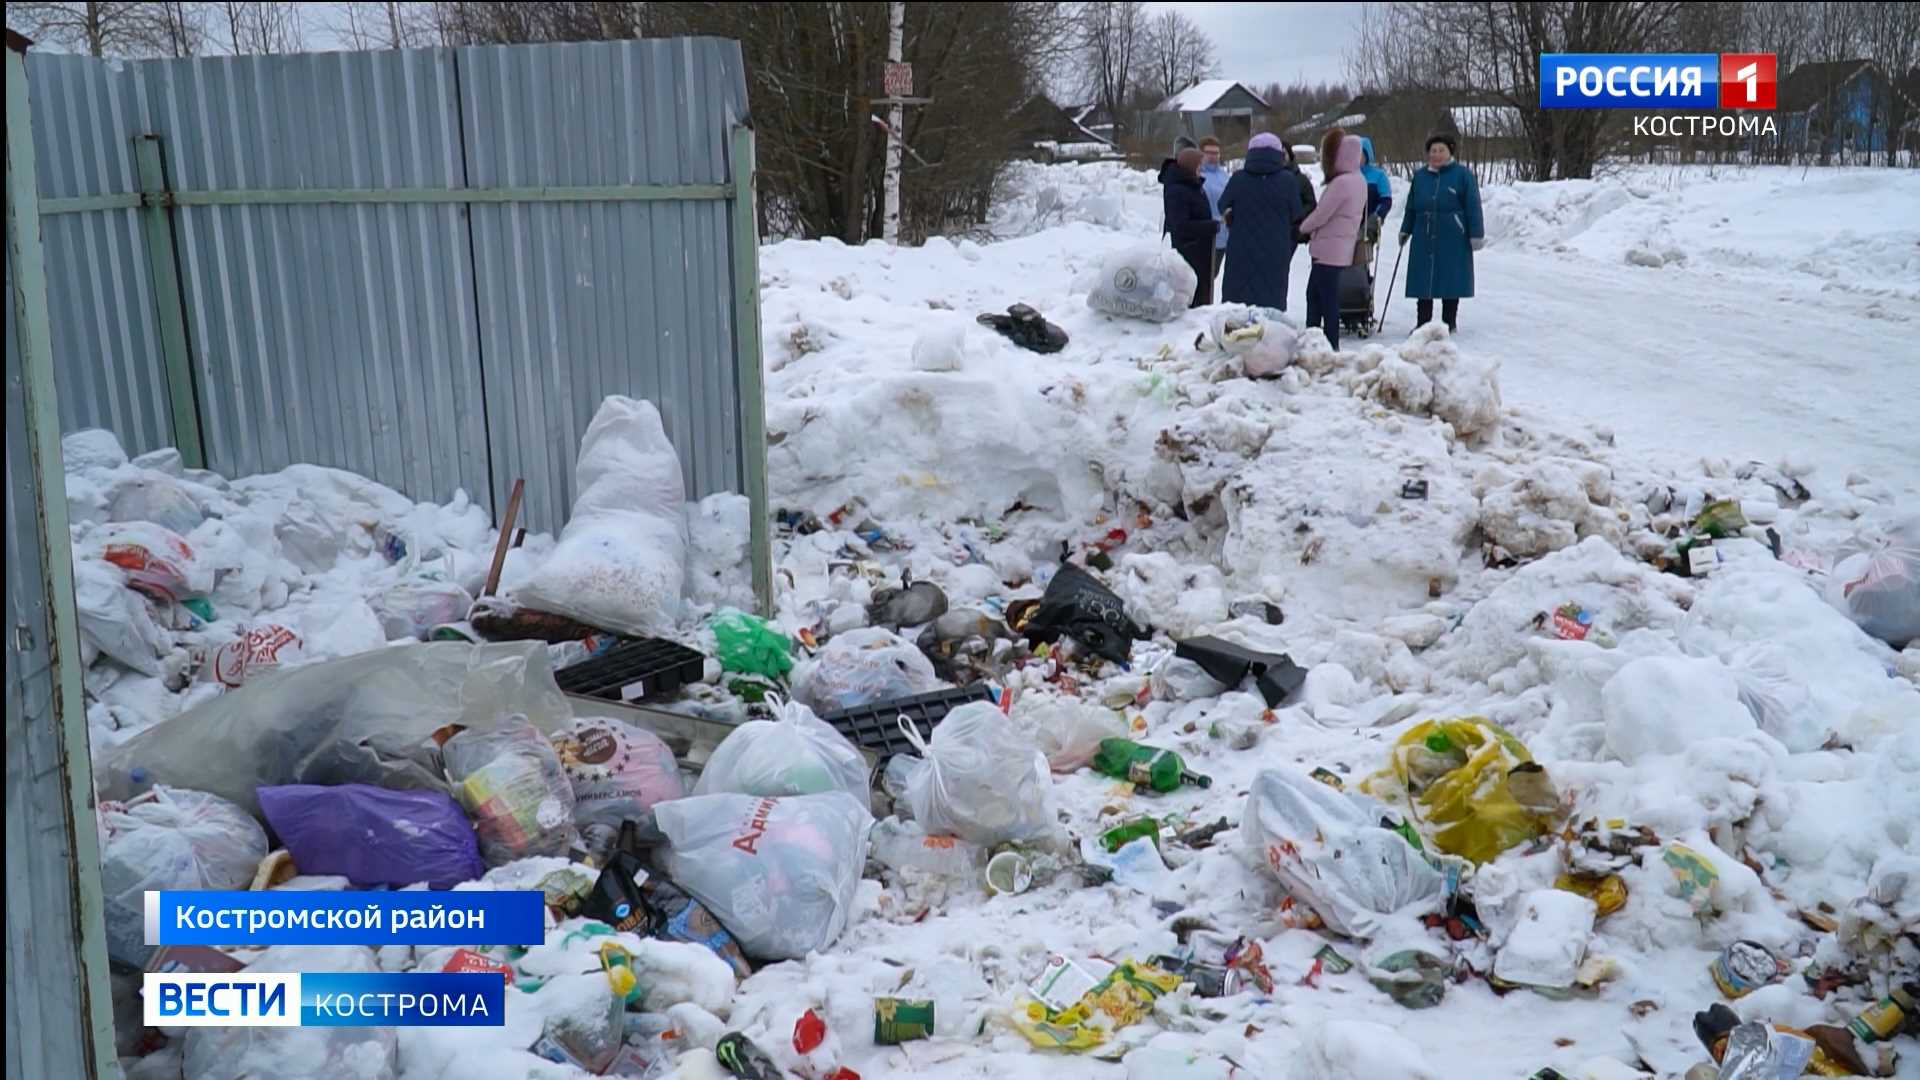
x=372, y=835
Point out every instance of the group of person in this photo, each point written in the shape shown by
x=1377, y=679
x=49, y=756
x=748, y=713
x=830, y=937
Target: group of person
x=1254, y=218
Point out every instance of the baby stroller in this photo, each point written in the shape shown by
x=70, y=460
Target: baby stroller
x=1356, y=281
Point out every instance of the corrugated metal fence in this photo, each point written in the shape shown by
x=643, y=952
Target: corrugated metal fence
x=426, y=266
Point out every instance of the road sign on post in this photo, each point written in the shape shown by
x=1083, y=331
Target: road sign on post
x=898, y=82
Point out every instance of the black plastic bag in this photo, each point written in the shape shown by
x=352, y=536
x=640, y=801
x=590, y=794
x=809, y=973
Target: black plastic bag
x=1277, y=676
x=1078, y=606
x=1023, y=326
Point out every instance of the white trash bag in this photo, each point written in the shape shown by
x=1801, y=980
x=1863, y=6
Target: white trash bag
x=1880, y=589
x=1067, y=730
x=861, y=667
x=116, y=620
x=160, y=500
x=1265, y=346
x=418, y=603
x=621, y=561
x=169, y=839
x=984, y=780
x=796, y=754
x=1144, y=282
x=779, y=873
x=1330, y=854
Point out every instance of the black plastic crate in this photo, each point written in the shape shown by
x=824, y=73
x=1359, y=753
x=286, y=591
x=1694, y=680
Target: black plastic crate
x=632, y=670
x=876, y=727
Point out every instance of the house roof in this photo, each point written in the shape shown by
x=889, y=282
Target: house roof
x=1202, y=96
x=1808, y=84
x=1486, y=121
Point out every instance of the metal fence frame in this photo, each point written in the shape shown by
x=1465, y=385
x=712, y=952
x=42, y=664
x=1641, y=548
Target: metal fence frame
x=478, y=289
x=59, y=1020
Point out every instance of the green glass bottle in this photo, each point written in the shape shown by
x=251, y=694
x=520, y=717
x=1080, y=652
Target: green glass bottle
x=1145, y=766
x=1128, y=831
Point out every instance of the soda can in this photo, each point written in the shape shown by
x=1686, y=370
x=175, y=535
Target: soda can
x=1743, y=967
x=1328, y=777
x=898, y=1020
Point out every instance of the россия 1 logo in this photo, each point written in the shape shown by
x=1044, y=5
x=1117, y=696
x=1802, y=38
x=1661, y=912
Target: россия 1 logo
x=1658, y=80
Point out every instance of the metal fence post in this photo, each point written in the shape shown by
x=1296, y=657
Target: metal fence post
x=746, y=351
x=163, y=269
x=59, y=1018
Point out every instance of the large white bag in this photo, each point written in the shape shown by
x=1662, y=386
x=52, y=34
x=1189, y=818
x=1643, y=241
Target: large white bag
x=1328, y=852
x=797, y=754
x=1144, y=282
x=297, y=1053
x=115, y=619
x=169, y=839
x=1067, y=730
x=1264, y=345
x=984, y=780
x=779, y=873
x=621, y=561
x=1880, y=589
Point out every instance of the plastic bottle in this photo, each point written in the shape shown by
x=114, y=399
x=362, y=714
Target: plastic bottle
x=1149, y=766
x=905, y=845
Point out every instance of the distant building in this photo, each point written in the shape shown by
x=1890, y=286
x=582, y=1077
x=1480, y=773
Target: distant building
x=1041, y=130
x=1845, y=106
x=1399, y=124
x=1221, y=108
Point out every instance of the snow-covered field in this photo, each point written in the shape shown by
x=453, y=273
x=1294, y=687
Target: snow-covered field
x=1636, y=343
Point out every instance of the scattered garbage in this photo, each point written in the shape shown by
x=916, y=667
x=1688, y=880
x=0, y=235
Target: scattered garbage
x=1884, y=1019
x=899, y=1020
x=1415, y=977
x=1023, y=326
x=1265, y=610
x=779, y=873
x=1143, y=827
x=861, y=667
x=1549, y=942
x=621, y=561
x=1053, y=1020
x=169, y=839
x=1473, y=780
x=749, y=645
x=1146, y=281
x=373, y=836
x=512, y=785
x=1009, y=872
x=793, y=754
x=980, y=779
x=629, y=899
x=1078, y=606
x=1275, y=674
x=1331, y=855
x=907, y=845
x=1694, y=876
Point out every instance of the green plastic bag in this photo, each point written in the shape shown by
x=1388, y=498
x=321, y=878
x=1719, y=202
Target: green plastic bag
x=751, y=646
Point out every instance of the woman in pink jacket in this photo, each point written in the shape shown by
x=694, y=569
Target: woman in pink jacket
x=1334, y=226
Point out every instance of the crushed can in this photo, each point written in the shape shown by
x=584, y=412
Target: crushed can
x=898, y=1020
x=745, y=1061
x=1743, y=967
x=1332, y=962
x=1328, y=777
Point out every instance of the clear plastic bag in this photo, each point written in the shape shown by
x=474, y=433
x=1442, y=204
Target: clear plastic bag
x=158, y=499
x=621, y=561
x=511, y=783
x=861, y=667
x=796, y=754
x=1880, y=589
x=169, y=839
x=1144, y=282
x=618, y=771
x=984, y=779
x=779, y=873
x=419, y=603
x=1331, y=855
x=279, y=728
x=157, y=561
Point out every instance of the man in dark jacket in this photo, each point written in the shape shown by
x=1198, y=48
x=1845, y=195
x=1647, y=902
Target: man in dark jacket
x=1189, y=219
x=1262, y=203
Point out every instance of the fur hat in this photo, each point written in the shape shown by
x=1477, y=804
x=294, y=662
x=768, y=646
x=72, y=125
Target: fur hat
x=1453, y=145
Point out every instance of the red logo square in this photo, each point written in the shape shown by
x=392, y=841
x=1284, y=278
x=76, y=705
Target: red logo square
x=1748, y=80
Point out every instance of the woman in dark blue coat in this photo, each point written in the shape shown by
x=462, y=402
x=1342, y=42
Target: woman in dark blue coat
x=1262, y=205
x=1443, y=221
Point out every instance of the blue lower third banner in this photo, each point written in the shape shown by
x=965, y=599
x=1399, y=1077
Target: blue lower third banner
x=324, y=999
x=463, y=917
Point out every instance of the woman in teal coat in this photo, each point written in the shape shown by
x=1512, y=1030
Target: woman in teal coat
x=1442, y=219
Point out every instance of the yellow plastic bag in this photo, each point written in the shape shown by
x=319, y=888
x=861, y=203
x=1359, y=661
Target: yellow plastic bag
x=1473, y=780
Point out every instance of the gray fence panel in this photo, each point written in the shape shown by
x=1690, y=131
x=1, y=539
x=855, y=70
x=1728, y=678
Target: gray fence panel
x=104, y=335
x=341, y=335
x=582, y=300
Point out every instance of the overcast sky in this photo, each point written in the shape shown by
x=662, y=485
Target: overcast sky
x=1263, y=43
